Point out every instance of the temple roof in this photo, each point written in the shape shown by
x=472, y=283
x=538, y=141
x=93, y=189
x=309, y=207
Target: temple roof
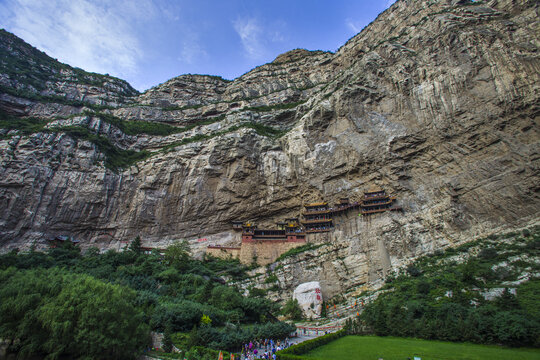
x=374, y=188
x=317, y=204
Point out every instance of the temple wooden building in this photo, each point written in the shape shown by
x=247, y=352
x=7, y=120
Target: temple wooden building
x=265, y=245
x=147, y=250
x=288, y=230
x=344, y=205
x=61, y=240
x=376, y=200
x=262, y=245
x=317, y=217
x=238, y=225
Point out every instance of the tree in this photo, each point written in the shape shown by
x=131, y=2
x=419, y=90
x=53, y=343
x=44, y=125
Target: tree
x=136, y=245
x=22, y=293
x=507, y=301
x=206, y=321
x=93, y=319
x=54, y=313
x=194, y=338
x=292, y=310
x=177, y=255
x=167, y=343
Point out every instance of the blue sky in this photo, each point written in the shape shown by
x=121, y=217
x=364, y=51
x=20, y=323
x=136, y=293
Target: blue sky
x=147, y=42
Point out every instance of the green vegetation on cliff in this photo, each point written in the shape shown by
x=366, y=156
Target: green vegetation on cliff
x=486, y=291
x=25, y=126
x=281, y=106
x=299, y=250
x=115, y=158
x=33, y=68
x=137, y=127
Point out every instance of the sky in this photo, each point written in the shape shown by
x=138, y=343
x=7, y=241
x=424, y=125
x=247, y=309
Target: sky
x=148, y=42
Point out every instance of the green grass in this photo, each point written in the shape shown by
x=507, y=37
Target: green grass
x=390, y=348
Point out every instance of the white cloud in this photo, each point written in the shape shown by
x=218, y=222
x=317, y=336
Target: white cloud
x=250, y=34
x=355, y=27
x=192, y=49
x=192, y=52
x=95, y=35
x=257, y=38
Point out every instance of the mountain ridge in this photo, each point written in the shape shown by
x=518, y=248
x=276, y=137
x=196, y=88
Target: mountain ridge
x=435, y=102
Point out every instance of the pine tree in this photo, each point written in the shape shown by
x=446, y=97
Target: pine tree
x=193, y=337
x=167, y=343
x=136, y=245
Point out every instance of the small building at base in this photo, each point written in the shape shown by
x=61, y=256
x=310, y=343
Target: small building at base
x=264, y=246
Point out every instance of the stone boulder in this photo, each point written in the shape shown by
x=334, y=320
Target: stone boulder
x=309, y=298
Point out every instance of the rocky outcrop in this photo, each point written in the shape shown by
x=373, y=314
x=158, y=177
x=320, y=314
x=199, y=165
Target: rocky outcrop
x=309, y=299
x=436, y=101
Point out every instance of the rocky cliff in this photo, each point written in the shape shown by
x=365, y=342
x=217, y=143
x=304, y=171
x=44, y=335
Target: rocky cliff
x=436, y=101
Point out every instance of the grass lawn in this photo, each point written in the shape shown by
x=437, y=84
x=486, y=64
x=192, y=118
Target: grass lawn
x=390, y=348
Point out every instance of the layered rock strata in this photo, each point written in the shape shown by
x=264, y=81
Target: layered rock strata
x=435, y=101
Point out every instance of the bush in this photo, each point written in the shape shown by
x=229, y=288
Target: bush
x=167, y=343
x=184, y=315
x=232, y=336
x=298, y=250
x=25, y=126
x=292, y=310
x=413, y=271
x=306, y=346
x=487, y=254
x=271, y=279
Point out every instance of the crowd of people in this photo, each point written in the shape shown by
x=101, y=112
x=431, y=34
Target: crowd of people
x=263, y=349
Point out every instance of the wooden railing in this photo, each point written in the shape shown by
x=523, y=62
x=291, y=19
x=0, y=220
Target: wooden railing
x=317, y=221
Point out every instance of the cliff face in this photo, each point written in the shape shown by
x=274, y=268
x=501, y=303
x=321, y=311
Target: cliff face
x=435, y=101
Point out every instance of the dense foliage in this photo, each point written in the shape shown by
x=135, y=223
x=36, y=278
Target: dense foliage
x=50, y=311
x=466, y=294
x=292, y=310
x=63, y=303
x=299, y=249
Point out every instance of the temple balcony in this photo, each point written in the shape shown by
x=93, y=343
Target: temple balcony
x=376, y=196
x=311, y=231
x=373, y=211
x=316, y=212
x=365, y=205
x=317, y=221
